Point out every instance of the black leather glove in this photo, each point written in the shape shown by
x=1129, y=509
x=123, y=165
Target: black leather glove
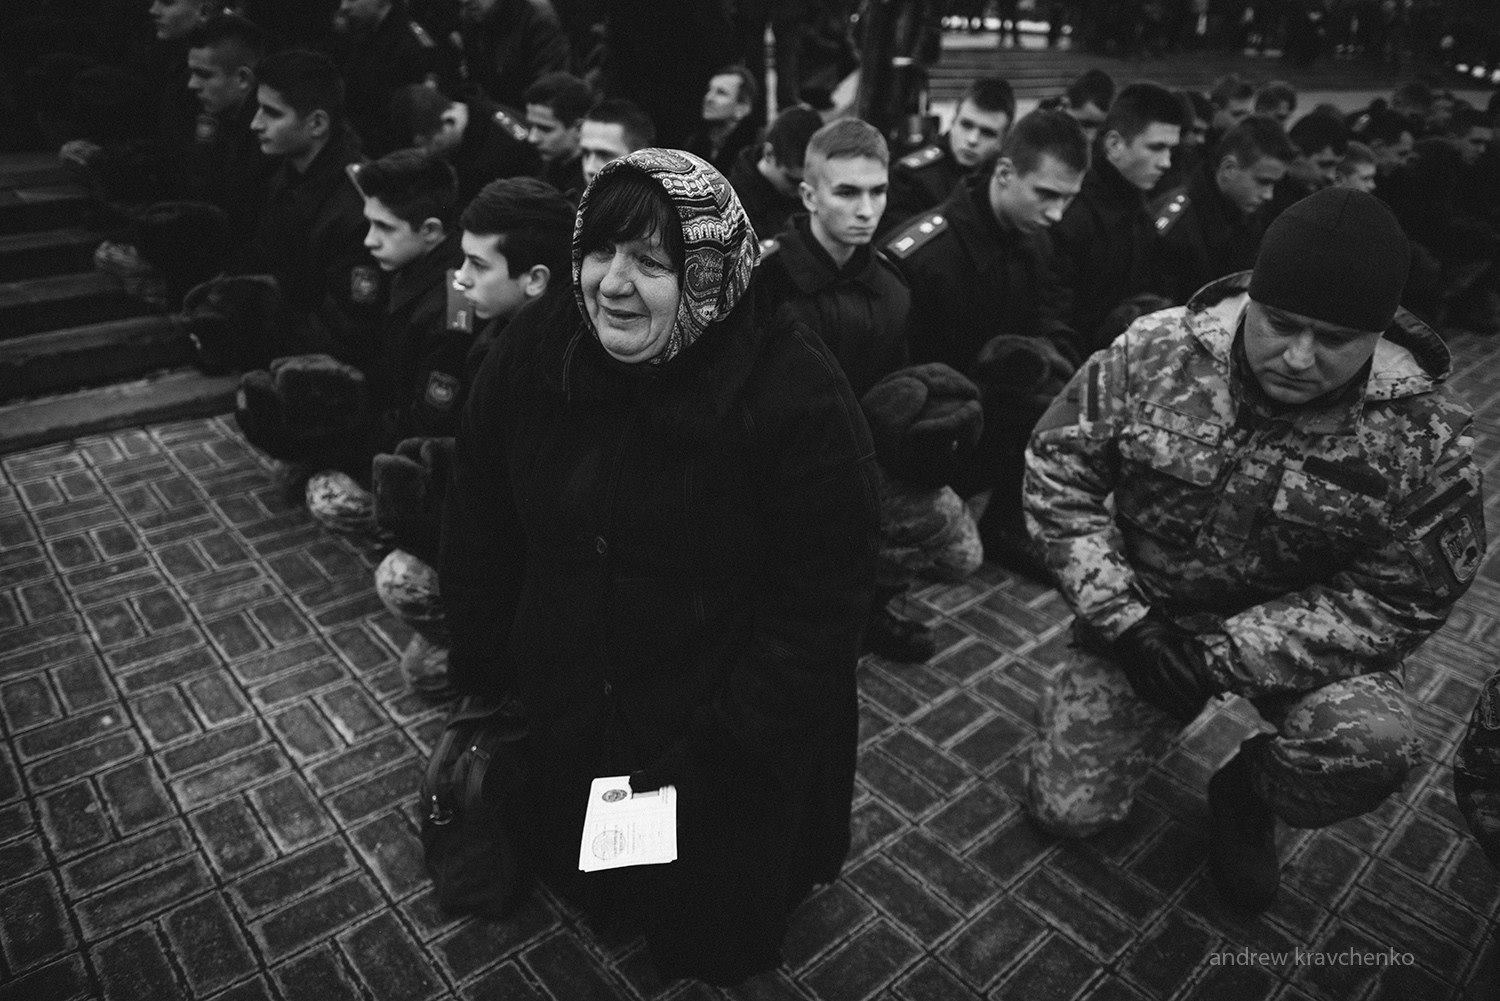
x=1166, y=665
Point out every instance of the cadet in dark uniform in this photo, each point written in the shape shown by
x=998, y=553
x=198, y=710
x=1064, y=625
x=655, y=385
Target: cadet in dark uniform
x=981, y=273
x=767, y=177
x=1211, y=227
x=613, y=128
x=510, y=44
x=555, y=106
x=481, y=140
x=379, y=49
x=727, y=128
x=1106, y=241
x=924, y=179
x=310, y=235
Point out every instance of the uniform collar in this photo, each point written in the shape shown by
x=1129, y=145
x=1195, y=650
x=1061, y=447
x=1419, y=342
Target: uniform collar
x=812, y=269
x=414, y=280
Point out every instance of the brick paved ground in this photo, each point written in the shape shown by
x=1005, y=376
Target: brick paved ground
x=210, y=761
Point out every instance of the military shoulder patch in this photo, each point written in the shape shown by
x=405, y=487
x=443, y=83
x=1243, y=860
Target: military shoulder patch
x=1460, y=540
x=1169, y=211
x=921, y=158
x=364, y=284
x=915, y=236
x=442, y=391
x=509, y=124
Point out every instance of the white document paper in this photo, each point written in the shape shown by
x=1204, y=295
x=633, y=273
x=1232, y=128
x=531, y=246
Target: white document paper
x=622, y=828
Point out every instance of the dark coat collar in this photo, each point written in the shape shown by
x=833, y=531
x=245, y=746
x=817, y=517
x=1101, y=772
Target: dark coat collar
x=974, y=224
x=811, y=268
x=418, y=277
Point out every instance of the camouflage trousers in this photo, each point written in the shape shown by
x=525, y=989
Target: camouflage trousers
x=1338, y=752
x=408, y=586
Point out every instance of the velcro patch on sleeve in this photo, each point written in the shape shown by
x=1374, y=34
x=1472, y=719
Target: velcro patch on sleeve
x=442, y=391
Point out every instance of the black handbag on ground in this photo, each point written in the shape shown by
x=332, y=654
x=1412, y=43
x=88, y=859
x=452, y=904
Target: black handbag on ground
x=470, y=805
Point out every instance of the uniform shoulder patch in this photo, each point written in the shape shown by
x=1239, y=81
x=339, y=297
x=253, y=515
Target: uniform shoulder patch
x=442, y=391
x=509, y=124
x=915, y=236
x=1461, y=541
x=420, y=34
x=921, y=158
x=1169, y=210
x=364, y=284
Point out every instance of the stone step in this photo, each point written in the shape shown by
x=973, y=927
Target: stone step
x=172, y=395
x=63, y=360
x=45, y=206
x=31, y=169
x=36, y=305
x=46, y=252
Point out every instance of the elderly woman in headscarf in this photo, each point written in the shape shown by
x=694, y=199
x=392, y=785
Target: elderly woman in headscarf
x=660, y=541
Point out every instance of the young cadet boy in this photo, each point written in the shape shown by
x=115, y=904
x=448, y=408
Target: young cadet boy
x=516, y=243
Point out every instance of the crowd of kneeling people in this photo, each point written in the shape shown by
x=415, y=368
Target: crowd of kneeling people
x=660, y=440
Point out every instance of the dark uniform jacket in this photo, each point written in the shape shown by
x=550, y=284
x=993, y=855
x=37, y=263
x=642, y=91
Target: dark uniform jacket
x=518, y=41
x=769, y=210
x=722, y=156
x=860, y=310
x=493, y=146
x=921, y=181
x=1106, y=248
x=153, y=167
x=644, y=555
x=226, y=167
x=1203, y=236
x=310, y=237
x=972, y=279
x=565, y=175
x=375, y=64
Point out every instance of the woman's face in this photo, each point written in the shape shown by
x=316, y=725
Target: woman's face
x=630, y=291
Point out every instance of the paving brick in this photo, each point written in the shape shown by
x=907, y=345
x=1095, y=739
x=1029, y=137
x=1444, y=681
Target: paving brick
x=359, y=650
x=352, y=711
x=112, y=623
x=216, y=698
x=155, y=646
x=823, y=919
x=64, y=980
x=280, y=621
x=28, y=703
x=163, y=716
x=991, y=942
x=212, y=746
x=932, y=981
x=504, y=983
x=73, y=551
x=477, y=944
x=232, y=775
x=390, y=964
x=122, y=586
x=360, y=760
x=567, y=971
x=10, y=780
x=1107, y=882
x=1056, y=971
x=1470, y=879
x=967, y=661
x=377, y=793
x=922, y=759
x=315, y=917
x=966, y=817
x=132, y=967
x=903, y=898
x=234, y=636
x=1064, y=906
x=305, y=732
x=84, y=759
x=232, y=836
x=1011, y=851
x=268, y=665
x=40, y=632
x=250, y=990
x=299, y=684
x=208, y=944
x=895, y=784
x=864, y=964
x=33, y=922
x=126, y=858
x=878, y=687
x=393, y=852
x=985, y=748
x=291, y=813
x=365, y=604
x=1422, y=935
x=292, y=876
x=319, y=975
x=1168, y=954
x=21, y=858
x=141, y=896
x=17, y=573
x=181, y=562
x=1342, y=981
x=135, y=796
x=26, y=661
x=871, y=823
x=116, y=540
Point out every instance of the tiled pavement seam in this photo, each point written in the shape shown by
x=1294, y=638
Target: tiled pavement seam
x=210, y=762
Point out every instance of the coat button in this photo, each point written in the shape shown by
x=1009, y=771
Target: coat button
x=600, y=546
x=608, y=688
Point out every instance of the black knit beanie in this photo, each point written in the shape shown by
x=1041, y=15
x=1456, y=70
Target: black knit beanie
x=1338, y=256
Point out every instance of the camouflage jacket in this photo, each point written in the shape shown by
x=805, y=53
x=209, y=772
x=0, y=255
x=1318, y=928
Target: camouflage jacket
x=1318, y=544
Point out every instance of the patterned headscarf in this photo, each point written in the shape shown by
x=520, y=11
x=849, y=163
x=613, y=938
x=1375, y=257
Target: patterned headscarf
x=719, y=246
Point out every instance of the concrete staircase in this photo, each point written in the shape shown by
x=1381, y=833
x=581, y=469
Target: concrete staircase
x=78, y=355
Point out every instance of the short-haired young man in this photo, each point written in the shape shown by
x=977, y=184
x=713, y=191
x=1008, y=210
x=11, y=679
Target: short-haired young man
x=1088, y=99
x=767, y=178
x=1212, y=226
x=1278, y=99
x=727, y=128
x=311, y=229
x=1106, y=241
x=1233, y=100
x=555, y=106
x=980, y=267
x=1357, y=169
x=482, y=141
x=612, y=128
x=227, y=167
x=515, y=239
x=1389, y=136
x=379, y=49
x=924, y=179
x=1320, y=139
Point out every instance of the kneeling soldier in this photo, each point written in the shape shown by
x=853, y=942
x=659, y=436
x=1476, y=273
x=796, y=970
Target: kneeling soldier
x=1295, y=508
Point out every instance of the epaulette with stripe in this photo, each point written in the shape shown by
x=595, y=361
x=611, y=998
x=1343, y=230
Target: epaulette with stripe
x=768, y=248
x=921, y=158
x=1169, y=210
x=508, y=123
x=913, y=237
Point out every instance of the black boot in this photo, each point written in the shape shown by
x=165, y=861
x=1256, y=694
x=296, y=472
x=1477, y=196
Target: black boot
x=898, y=637
x=1242, y=843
